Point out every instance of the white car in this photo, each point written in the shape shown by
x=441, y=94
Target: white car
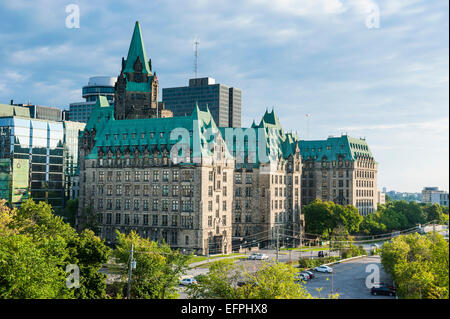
x=188, y=281
x=252, y=256
x=323, y=268
x=260, y=256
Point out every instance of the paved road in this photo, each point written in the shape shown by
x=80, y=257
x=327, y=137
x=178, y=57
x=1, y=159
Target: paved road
x=349, y=280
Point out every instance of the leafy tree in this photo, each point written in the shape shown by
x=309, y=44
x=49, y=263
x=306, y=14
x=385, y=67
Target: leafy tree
x=318, y=218
x=55, y=244
x=70, y=211
x=226, y=280
x=371, y=225
x=419, y=265
x=158, y=267
x=28, y=271
x=221, y=282
x=434, y=213
x=89, y=253
x=88, y=220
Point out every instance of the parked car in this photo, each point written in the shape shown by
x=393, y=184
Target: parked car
x=310, y=273
x=323, y=268
x=258, y=256
x=262, y=257
x=306, y=274
x=252, y=256
x=383, y=289
x=300, y=277
x=188, y=281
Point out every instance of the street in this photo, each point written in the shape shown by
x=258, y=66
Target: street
x=348, y=280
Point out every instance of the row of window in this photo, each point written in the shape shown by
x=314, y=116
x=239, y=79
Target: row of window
x=186, y=206
x=145, y=176
x=157, y=190
x=137, y=219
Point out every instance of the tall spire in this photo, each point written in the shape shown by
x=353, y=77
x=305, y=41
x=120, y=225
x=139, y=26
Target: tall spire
x=136, y=50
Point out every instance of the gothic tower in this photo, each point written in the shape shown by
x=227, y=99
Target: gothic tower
x=136, y=89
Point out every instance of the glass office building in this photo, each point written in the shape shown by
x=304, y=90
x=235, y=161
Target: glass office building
x=37, y=158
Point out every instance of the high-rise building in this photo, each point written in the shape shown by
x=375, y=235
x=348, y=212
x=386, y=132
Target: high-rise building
x=97, y=86
x=434, y=195
x=38, y=154
x=223, y=102
x=342, y=170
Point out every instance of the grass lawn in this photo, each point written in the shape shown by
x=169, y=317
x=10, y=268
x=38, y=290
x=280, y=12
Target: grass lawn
x=195, y=259
x=206, y=265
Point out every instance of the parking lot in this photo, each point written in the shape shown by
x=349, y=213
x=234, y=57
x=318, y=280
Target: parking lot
x=348, y=280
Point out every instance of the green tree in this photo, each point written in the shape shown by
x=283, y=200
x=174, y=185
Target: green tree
x=434, y=213
x=226, y=280
x=158, y=267
x=70, y=211
x=58, y=245
x=418, y=265
x=89, y=253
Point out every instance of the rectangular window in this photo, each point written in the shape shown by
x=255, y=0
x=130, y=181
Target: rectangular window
x=164, y=220
x=175, y=205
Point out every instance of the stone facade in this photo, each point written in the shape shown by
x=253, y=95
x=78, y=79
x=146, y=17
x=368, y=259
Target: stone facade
x=342, y=170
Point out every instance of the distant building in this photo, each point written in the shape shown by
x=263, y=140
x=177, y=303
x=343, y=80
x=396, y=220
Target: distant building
x=97, y=86
x=38, y=154
x=224, y=102
x=381, y=196
x=434, y=195
x=342, y=170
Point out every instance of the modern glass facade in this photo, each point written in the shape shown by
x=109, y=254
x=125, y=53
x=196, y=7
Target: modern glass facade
x=49, y=152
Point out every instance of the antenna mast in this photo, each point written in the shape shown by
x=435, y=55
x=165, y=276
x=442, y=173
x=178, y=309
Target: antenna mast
x=196, y=57
x=307, y=126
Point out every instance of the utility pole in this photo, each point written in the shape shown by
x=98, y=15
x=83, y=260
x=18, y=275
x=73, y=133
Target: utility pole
x=276, y=228
x=434, y=232
x=130, y=269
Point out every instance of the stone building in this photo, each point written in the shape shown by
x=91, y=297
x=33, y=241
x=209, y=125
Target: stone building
x=342, y=170
x=163, y=177
x=266, y=186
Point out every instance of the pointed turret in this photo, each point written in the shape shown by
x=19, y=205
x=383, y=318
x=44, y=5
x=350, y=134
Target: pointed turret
x=136, y=52
x=195, y=111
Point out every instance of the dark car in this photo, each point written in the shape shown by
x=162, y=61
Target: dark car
x=383, y=290
x=320, y=254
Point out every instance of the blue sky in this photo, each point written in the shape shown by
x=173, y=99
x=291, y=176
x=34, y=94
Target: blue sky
x=388, y=84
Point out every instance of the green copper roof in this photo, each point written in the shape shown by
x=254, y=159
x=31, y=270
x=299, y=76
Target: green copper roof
x=101, y=112
x=330, y=149
x=151, y=133
x=276, y=141
x=136, y=50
